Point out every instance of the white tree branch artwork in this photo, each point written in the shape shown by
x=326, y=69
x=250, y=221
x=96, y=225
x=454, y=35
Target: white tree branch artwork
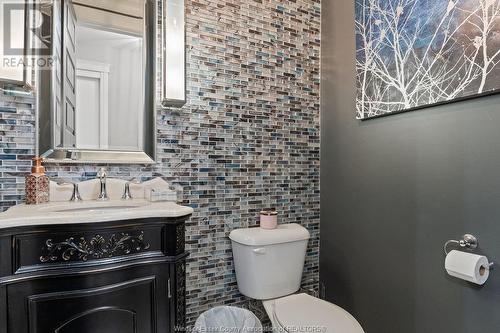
x=414, y=53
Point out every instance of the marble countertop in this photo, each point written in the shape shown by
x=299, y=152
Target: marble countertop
x=88, y=212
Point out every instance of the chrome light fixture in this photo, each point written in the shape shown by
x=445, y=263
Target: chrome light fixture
x=174, y=54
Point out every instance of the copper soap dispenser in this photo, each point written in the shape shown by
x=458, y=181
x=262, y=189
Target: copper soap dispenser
x=37, y=184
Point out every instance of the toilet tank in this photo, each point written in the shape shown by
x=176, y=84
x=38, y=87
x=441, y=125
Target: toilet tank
x=269, y=263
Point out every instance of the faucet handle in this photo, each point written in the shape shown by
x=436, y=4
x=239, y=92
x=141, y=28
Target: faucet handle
x=126, y=193
x=75, y=196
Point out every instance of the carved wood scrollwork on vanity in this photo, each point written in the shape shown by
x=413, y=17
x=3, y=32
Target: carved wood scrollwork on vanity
x=96, y=248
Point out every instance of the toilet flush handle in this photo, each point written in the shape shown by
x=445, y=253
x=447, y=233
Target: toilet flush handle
x=260, y=250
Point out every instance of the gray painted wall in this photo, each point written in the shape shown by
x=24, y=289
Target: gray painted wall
x=393, y=191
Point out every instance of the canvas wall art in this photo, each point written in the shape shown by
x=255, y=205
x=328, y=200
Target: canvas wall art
x=415, y=53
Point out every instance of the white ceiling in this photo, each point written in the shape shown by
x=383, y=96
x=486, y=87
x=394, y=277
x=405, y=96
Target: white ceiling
x=88, y=35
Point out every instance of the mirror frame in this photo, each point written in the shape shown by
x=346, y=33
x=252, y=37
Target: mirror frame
x=46, y=142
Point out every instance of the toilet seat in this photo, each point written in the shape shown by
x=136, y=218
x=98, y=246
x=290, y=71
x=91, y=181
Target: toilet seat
x=302, y=313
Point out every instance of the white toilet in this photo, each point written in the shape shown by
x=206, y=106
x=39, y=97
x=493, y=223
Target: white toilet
x=269, y=266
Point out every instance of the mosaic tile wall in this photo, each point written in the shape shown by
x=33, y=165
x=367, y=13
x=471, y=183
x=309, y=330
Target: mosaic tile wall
x=248, y=137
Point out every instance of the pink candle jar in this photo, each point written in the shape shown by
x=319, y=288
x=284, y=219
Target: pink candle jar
x=268, y=219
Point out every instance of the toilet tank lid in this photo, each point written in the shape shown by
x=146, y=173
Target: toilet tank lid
x=285, y=233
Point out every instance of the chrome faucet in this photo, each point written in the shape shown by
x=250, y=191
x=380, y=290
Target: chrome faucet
x=103, y=193
x=126, y=193
x=75, y=197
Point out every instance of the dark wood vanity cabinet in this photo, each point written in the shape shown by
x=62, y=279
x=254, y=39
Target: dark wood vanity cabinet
x=105, y=277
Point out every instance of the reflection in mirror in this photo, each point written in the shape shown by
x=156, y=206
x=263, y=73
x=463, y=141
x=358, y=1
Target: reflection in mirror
x=109, y=81
x=109, y=78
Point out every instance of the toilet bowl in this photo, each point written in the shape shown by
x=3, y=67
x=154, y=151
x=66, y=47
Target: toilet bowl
x=269, y=265
x=303, y=313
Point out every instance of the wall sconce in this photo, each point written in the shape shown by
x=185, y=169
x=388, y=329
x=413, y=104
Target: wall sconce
x=174, y=54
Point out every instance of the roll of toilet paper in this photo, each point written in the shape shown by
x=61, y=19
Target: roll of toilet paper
x=467, y=266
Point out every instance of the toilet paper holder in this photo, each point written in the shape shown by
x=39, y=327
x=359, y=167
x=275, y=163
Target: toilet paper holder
x=468, y=241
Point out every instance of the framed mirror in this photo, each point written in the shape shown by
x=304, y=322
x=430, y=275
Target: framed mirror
x=97, y=102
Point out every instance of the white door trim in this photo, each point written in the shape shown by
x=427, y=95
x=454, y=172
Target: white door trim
x=99, y=71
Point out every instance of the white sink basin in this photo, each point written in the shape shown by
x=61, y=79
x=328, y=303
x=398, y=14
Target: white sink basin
x=95, y=206
x=93, y=209
x=89, y=211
